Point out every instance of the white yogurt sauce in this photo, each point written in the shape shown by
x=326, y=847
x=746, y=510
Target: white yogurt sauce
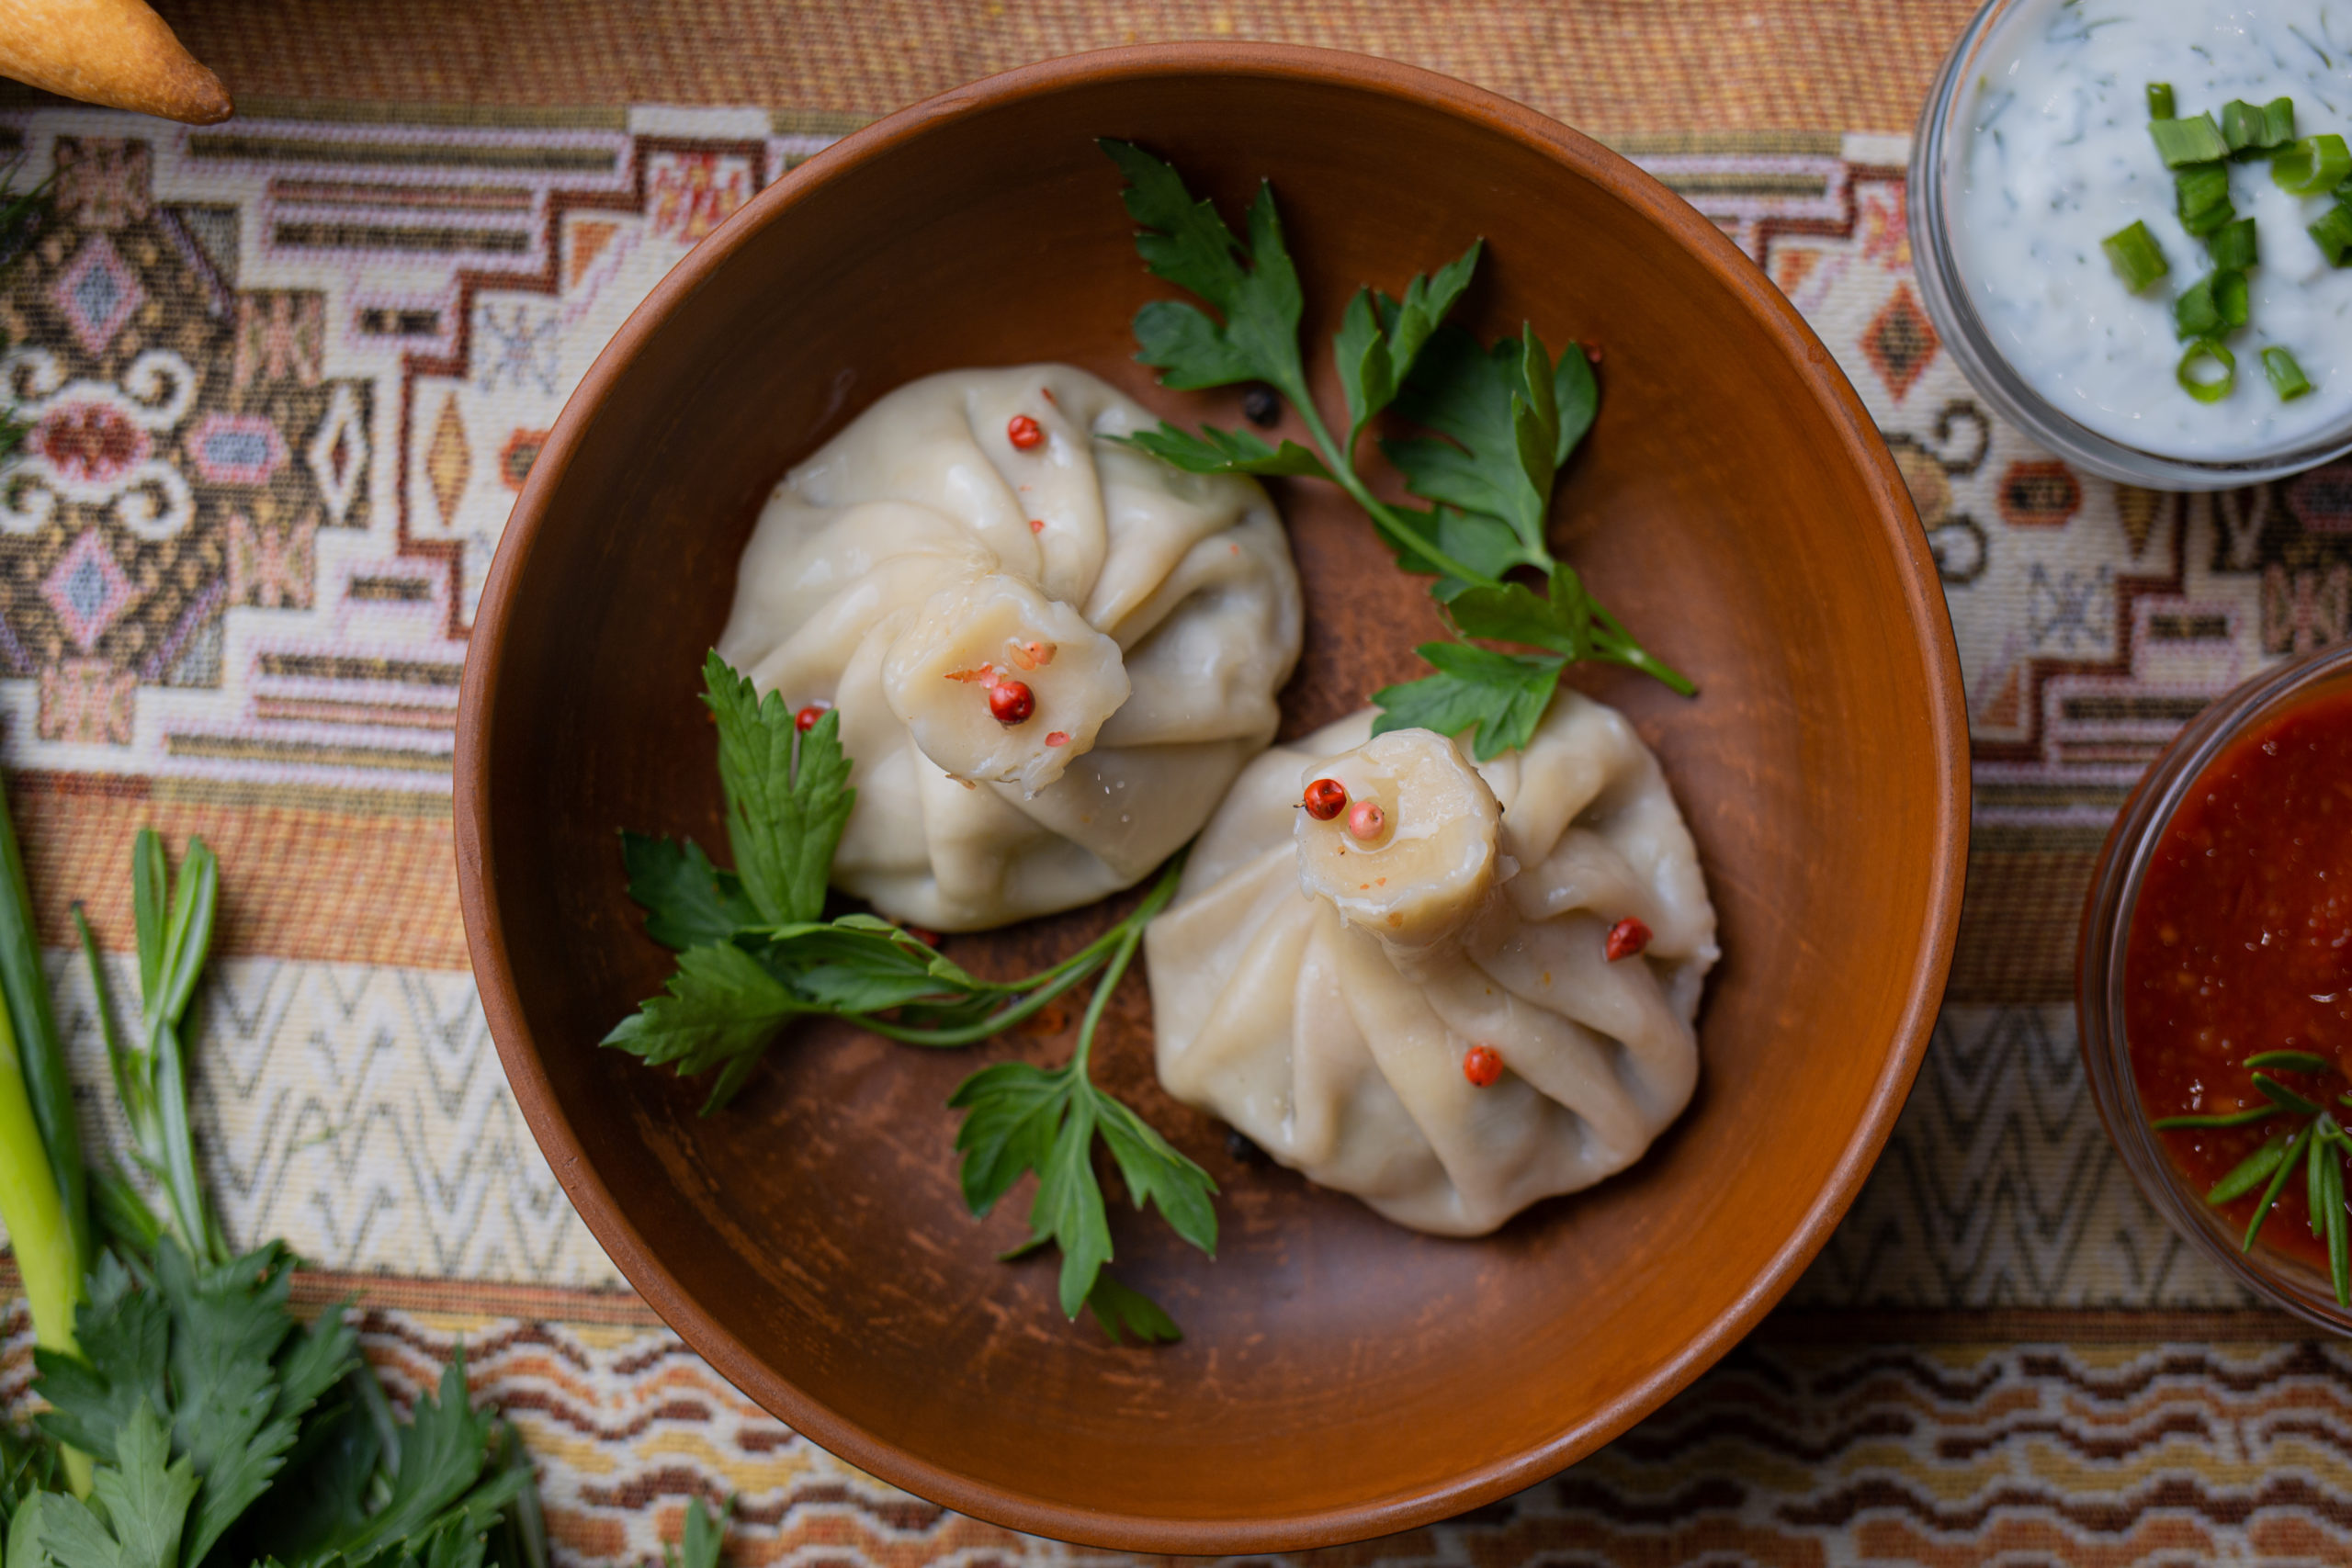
x=2059, y=157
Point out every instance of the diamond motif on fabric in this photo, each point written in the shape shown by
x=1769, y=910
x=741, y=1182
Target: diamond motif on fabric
x=98, y=294
x=514, y=459
x=447, y=464
x=337, y=454
x=1899, y=342
x=236, y=448
x=87, y=589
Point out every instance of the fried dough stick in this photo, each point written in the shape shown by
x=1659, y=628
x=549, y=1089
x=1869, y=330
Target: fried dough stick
x=115, y=52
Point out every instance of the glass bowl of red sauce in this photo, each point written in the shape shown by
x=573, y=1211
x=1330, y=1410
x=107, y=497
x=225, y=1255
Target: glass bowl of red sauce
x=2213, y=986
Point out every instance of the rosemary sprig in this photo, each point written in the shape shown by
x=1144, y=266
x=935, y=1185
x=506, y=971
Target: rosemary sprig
x=2317, y=1145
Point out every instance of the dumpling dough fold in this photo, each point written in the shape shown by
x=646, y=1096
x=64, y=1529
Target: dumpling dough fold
x=920, y=558
x=1319, y=987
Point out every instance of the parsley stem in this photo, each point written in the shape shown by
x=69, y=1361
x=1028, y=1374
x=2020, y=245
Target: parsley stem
x=1129, y=940
x=1343, y=471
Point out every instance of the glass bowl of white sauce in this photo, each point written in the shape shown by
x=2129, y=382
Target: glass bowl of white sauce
x=2035, y=147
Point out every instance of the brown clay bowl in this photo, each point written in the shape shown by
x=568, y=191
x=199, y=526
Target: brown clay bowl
x=1339, y=1377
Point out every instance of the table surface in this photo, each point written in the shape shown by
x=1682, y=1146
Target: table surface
x=369, y=297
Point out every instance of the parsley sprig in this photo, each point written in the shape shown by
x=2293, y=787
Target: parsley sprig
x=1502, y=421
x=754, y=954
x=2316, y=1143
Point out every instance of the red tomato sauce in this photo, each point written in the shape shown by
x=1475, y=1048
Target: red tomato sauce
x=2242, y=942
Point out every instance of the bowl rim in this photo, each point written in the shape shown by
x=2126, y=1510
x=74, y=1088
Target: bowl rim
x=1926, y=616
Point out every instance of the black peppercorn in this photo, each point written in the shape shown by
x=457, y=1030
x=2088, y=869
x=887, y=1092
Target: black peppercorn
x=1260, y=405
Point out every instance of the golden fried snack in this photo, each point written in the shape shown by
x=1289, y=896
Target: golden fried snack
x=115, y=52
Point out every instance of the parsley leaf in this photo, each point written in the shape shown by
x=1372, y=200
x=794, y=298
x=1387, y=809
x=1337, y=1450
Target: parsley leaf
x=720, y=1005
x=1215, y=451
x=1503, y=695
x=688, y=900
x=1186, y=242
x=788, y=795
x=1020, y=1118
x=1499, y=422
x=144, y=1501
x=1122, y=1309
x=124, y=1333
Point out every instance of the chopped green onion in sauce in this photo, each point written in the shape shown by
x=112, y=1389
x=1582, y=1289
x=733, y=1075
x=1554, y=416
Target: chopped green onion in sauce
x=2286, y=377
x=2313, y=167
x=2334, y=234
x=2137, y=260
x=2232, y=244
x=2180, y=142
x=2206, y=352
x=2160, y=100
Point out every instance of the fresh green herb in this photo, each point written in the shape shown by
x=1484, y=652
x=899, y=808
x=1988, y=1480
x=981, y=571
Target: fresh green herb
x=2201, y=197
x=2160, y=103
x=2133, y=253
x=192, y=1420
x=2254, y=128
x=2286, y=377
x=2207, y=385
x=2311, y=166
x=2232, y=246
x=2316, y=1146
x=704, y=1533
x=1019, y=1117
x=754, y=955
x=1503, y=421
x=2334, y=233
x=2180, y=142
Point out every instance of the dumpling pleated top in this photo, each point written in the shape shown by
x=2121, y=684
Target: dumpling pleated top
x=1051, y=653
x=1322, y=985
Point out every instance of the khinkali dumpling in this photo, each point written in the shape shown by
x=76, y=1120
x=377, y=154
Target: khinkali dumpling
x=972, y=529
x=1320, y=984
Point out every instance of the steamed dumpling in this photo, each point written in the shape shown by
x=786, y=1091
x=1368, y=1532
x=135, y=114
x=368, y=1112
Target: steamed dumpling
x=1320, y=987
x=921, y=560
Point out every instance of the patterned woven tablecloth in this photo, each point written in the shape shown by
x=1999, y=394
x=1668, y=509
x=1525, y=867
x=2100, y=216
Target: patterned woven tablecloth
x=288, y=374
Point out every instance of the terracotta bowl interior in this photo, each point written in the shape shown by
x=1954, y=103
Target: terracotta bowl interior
x=1340, y=1376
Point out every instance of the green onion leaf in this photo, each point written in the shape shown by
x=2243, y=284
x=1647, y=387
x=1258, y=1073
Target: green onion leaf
x=2246, y=1118
x=2196, y=314
x=2287, y=378
x=2230, y=297
x=2187, y=373
x=2334, y=233
x=2231, y=246
x=2279, y=1095
x=2312, y=166
x=2286, y=1164
x=2241, y=125
x=2180, y=142
x=2277, y=122
x=2160, y=100
x=2250, y=1173
x=2198, y=191
x=2133, y=253
x=2290, y=1061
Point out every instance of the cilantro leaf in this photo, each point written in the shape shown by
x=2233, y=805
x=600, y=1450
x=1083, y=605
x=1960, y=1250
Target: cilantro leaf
x=1503, y=694
x=144, y=1500
x=788, y=795
x=1120, y=1308
x=1379, y=338
x=1215, y=451
x=688, y=900
x=721, y=1004
x=704, y=1533
x=1186, y=242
